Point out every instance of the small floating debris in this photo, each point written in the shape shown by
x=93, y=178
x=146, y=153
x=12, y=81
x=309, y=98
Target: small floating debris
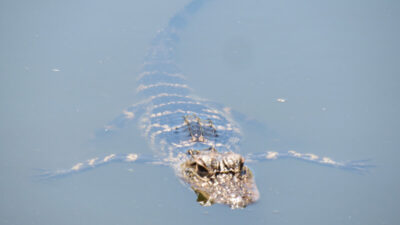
x=281, y=100
x=55, y=70
x=323, y=108
x=276, y=211
x=128, y=115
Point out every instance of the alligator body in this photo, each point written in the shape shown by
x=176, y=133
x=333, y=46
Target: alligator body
x=195, y=137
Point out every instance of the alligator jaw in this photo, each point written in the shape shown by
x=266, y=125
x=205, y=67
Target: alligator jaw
x=219, y=178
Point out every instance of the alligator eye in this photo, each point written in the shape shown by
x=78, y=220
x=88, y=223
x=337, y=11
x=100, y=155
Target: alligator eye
x=201, y=171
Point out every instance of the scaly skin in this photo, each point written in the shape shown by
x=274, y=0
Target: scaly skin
x=219, y=178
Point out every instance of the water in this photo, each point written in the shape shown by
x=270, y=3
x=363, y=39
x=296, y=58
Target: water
x=67, y=68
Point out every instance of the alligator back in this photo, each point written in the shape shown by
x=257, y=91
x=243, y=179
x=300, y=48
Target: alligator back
x=174, y=120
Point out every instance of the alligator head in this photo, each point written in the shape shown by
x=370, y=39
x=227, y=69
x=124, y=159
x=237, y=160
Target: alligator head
x=219, y=178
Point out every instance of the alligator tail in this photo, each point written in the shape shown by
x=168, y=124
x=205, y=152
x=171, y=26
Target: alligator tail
x=160, y=74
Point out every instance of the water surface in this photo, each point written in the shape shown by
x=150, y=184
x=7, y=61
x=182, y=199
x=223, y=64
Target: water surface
x=69, y=67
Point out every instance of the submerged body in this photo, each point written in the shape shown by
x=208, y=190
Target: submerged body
x=199, y=142
x=197, y=138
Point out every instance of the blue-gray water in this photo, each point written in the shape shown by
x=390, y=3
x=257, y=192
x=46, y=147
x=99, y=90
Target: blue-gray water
x=69, y=67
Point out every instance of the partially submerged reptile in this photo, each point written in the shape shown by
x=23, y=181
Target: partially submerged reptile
x=194, y=136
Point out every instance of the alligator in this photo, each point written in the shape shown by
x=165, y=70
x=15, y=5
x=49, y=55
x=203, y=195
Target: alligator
x=198, y=138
